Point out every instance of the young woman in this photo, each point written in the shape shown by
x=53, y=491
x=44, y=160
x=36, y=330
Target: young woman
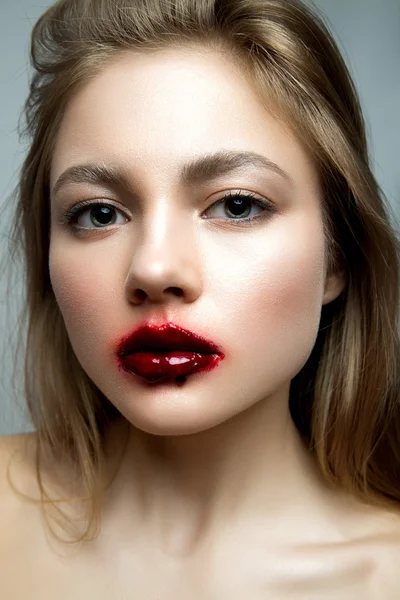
x=212, y=301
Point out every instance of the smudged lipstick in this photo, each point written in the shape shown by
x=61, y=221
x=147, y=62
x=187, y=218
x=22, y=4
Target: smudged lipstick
x=164, y=352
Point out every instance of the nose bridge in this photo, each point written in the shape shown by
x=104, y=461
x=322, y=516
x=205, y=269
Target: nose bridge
x=164, y=260
x=162, y=237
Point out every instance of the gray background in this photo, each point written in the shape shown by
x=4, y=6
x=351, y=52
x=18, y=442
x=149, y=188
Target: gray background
x=368, y=32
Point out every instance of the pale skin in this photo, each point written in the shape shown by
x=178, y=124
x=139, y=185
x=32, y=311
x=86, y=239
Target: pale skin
x=217, y=496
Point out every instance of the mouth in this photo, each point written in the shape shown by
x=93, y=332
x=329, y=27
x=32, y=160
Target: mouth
x=159, y=353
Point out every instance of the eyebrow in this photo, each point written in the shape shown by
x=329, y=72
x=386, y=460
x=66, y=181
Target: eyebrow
x=198, y=170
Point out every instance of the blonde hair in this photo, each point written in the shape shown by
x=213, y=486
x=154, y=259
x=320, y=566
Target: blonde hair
x=345, y=401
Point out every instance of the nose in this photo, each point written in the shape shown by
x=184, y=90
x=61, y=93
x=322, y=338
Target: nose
x=164, y=265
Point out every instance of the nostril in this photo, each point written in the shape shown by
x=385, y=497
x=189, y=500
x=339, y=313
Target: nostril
x=177, y=291
x=141, y=295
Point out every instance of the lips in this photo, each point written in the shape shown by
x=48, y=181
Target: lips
x=158, y=353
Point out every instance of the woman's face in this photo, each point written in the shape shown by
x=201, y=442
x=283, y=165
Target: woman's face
x=169, y=249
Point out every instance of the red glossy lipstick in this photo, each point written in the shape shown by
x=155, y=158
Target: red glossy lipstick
x=165, y=352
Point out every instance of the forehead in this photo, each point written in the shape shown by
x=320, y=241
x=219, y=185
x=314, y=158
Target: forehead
x=153, y=111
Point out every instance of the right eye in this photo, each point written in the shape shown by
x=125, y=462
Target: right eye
x=98, y=214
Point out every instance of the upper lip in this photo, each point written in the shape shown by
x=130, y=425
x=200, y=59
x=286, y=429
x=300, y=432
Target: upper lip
x=166, y=336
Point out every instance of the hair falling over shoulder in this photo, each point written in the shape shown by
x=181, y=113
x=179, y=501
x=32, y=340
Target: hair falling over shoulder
x=346, y=399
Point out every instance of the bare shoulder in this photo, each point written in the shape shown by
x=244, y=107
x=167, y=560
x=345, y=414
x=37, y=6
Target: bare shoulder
x=17, y=445
x=385, y=551
x=16, y=468
x=381, y=548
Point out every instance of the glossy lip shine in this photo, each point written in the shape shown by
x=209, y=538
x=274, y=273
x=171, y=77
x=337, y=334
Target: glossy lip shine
x=166, y=352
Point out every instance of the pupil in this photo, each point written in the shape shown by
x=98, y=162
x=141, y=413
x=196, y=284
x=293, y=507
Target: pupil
x=236, y=205
x=102, y=215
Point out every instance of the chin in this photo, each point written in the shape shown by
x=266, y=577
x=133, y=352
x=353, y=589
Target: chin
x=166, y=418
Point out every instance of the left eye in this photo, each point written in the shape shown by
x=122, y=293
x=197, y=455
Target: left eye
x=234, y=204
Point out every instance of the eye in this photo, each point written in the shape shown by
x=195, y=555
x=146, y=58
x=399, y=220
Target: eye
x=97, y=214
x=92, y=215
x=235, y=203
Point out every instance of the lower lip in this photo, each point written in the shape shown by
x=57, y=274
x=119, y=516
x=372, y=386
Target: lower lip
x=161, y=366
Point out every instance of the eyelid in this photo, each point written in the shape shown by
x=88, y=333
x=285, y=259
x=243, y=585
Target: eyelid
x=240, y=192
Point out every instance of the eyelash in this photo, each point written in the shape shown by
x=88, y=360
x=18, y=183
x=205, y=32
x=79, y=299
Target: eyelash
x=71, y=215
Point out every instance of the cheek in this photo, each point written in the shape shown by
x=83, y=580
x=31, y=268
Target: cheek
x=79, y=291
x=281, y=306
x=293, y=287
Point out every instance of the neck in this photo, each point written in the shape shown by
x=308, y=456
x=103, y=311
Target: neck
x=182, y=489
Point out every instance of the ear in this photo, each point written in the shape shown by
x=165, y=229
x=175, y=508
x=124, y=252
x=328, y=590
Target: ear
x=334, y=286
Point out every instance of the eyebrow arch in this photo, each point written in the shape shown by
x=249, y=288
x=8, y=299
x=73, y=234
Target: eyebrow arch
x=198, y=170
